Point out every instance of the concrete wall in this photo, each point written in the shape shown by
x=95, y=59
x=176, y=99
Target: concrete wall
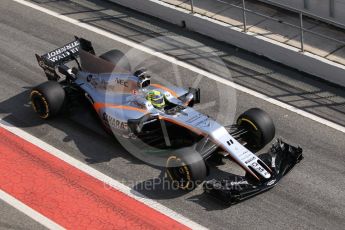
x=276, y=51
x=330, y=9
x=339, y=14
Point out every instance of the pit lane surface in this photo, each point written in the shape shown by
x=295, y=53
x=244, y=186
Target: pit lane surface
x=310, y=197
x=11, y=218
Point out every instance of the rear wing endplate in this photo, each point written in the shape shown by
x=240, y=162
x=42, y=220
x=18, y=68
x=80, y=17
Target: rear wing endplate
x=69, y=52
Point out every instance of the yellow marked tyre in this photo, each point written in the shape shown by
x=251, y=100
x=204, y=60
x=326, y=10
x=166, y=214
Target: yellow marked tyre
x=180, y=175
x=259, y=126
x=247, y=121
x=186, y=169
x=39, y=104
x=47, y=99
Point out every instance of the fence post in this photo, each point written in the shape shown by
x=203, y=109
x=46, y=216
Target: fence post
x=244, y=16
x=302, y=31
x=192, y=6
x=331, y=8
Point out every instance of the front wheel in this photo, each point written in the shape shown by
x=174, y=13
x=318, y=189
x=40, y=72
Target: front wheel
x=259, y=126
x=47, y=99
x=186, y=169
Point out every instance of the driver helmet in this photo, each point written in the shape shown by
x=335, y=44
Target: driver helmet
x=156, y=98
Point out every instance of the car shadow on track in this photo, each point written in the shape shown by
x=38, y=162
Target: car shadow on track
x=160, y=188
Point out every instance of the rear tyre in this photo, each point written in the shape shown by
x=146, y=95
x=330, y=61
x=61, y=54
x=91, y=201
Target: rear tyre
x=47, y=99
x=259, y=126
x=117, y=58
x=186, y=169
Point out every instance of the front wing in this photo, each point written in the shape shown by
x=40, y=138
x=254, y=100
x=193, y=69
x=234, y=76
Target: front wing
x=281, y=158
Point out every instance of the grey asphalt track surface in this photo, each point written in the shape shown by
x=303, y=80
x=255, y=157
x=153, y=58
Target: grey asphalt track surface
x=11, y=218
x=311, y=197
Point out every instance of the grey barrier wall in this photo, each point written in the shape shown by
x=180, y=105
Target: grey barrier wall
x=276, y=51
x=329, y=9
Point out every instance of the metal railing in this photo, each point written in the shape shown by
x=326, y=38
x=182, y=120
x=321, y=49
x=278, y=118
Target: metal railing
x=305, y=13
x=302, y=15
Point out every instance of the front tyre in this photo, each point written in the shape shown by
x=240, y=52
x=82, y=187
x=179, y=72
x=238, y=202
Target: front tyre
x=259, y=126
x=47, y=99
x=186, y=169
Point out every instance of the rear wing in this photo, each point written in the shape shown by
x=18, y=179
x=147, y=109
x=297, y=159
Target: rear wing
x=58, y=57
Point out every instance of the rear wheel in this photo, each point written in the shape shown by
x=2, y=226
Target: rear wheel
x=259, y=126
x=117, y=58
x=186, y=169
x=47, y=99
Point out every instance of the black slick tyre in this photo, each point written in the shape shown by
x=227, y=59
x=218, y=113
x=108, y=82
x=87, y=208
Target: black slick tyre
x=47, y=99
x=186, y=169
x=259, y=126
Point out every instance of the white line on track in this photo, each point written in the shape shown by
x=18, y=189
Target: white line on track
x=185, y=65
x=29, y=211
x=108, y=181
